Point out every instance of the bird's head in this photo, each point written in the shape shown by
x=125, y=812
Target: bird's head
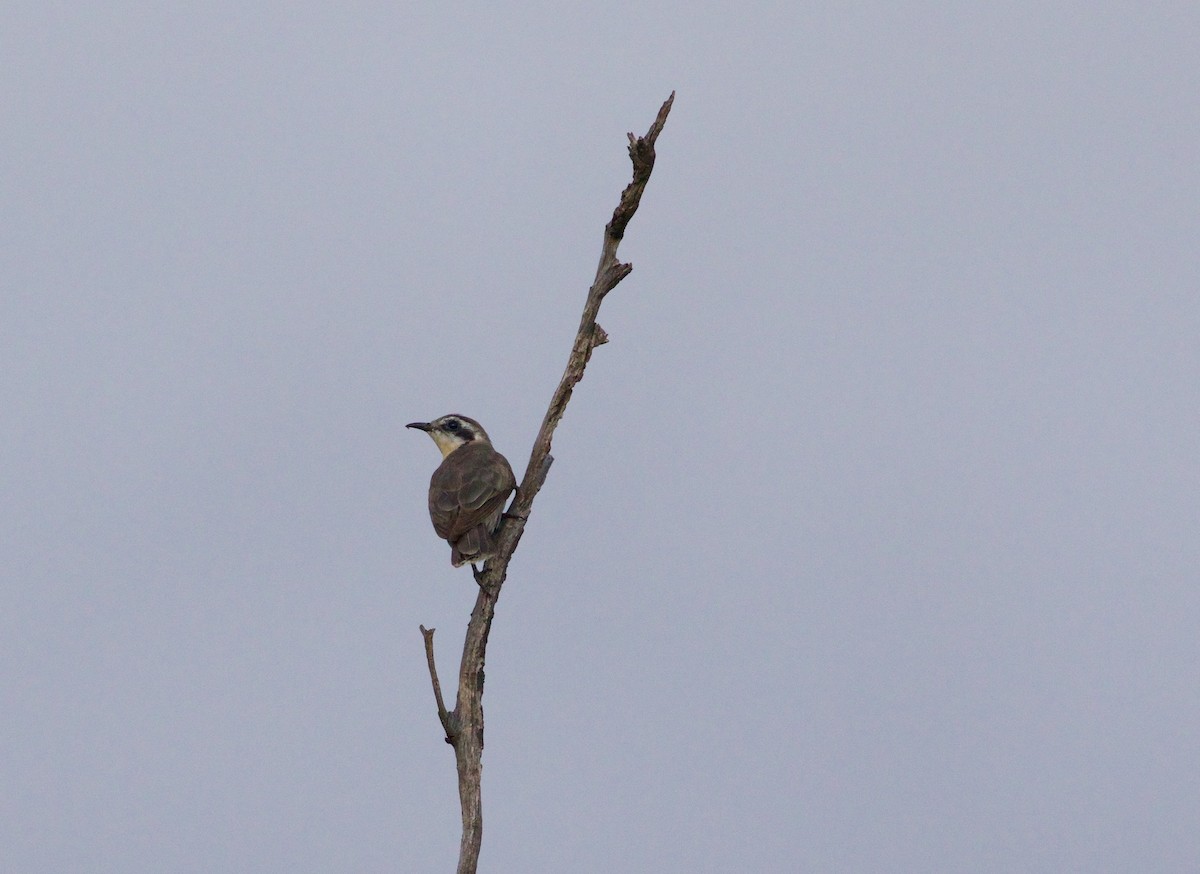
x=452, y=431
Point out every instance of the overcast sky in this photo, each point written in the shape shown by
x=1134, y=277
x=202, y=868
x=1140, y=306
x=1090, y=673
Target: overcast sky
x=873, y=539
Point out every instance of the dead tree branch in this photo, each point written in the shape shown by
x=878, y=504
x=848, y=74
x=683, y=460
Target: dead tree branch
x=446, y=718
x=464, y=726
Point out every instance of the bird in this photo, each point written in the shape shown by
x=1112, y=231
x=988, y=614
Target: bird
x=468, y=491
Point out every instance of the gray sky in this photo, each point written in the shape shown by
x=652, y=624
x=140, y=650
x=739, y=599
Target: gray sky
x=872, y=540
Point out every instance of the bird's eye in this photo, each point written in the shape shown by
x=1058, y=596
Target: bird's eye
x=452, y=425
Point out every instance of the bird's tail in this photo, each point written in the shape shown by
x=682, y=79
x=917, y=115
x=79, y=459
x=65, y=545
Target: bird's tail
x=474, y=546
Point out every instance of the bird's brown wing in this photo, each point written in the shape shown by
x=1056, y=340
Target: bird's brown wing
x=469, y=488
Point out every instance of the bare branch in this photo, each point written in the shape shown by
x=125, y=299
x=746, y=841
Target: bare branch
x=468, y=715
x=641, y=152
x=446, y=718
x=464, y=727
x=609, y=272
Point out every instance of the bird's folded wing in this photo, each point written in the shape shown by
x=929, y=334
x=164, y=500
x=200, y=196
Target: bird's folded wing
x=470, y=487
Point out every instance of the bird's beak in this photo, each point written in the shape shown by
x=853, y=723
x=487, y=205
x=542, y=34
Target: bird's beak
x=420, y=426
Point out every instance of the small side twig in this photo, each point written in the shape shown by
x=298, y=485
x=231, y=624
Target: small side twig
x=443, y=714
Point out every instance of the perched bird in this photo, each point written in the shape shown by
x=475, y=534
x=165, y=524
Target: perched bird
x=469, y=489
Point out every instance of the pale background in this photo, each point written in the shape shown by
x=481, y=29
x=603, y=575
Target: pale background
x=872, y=541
